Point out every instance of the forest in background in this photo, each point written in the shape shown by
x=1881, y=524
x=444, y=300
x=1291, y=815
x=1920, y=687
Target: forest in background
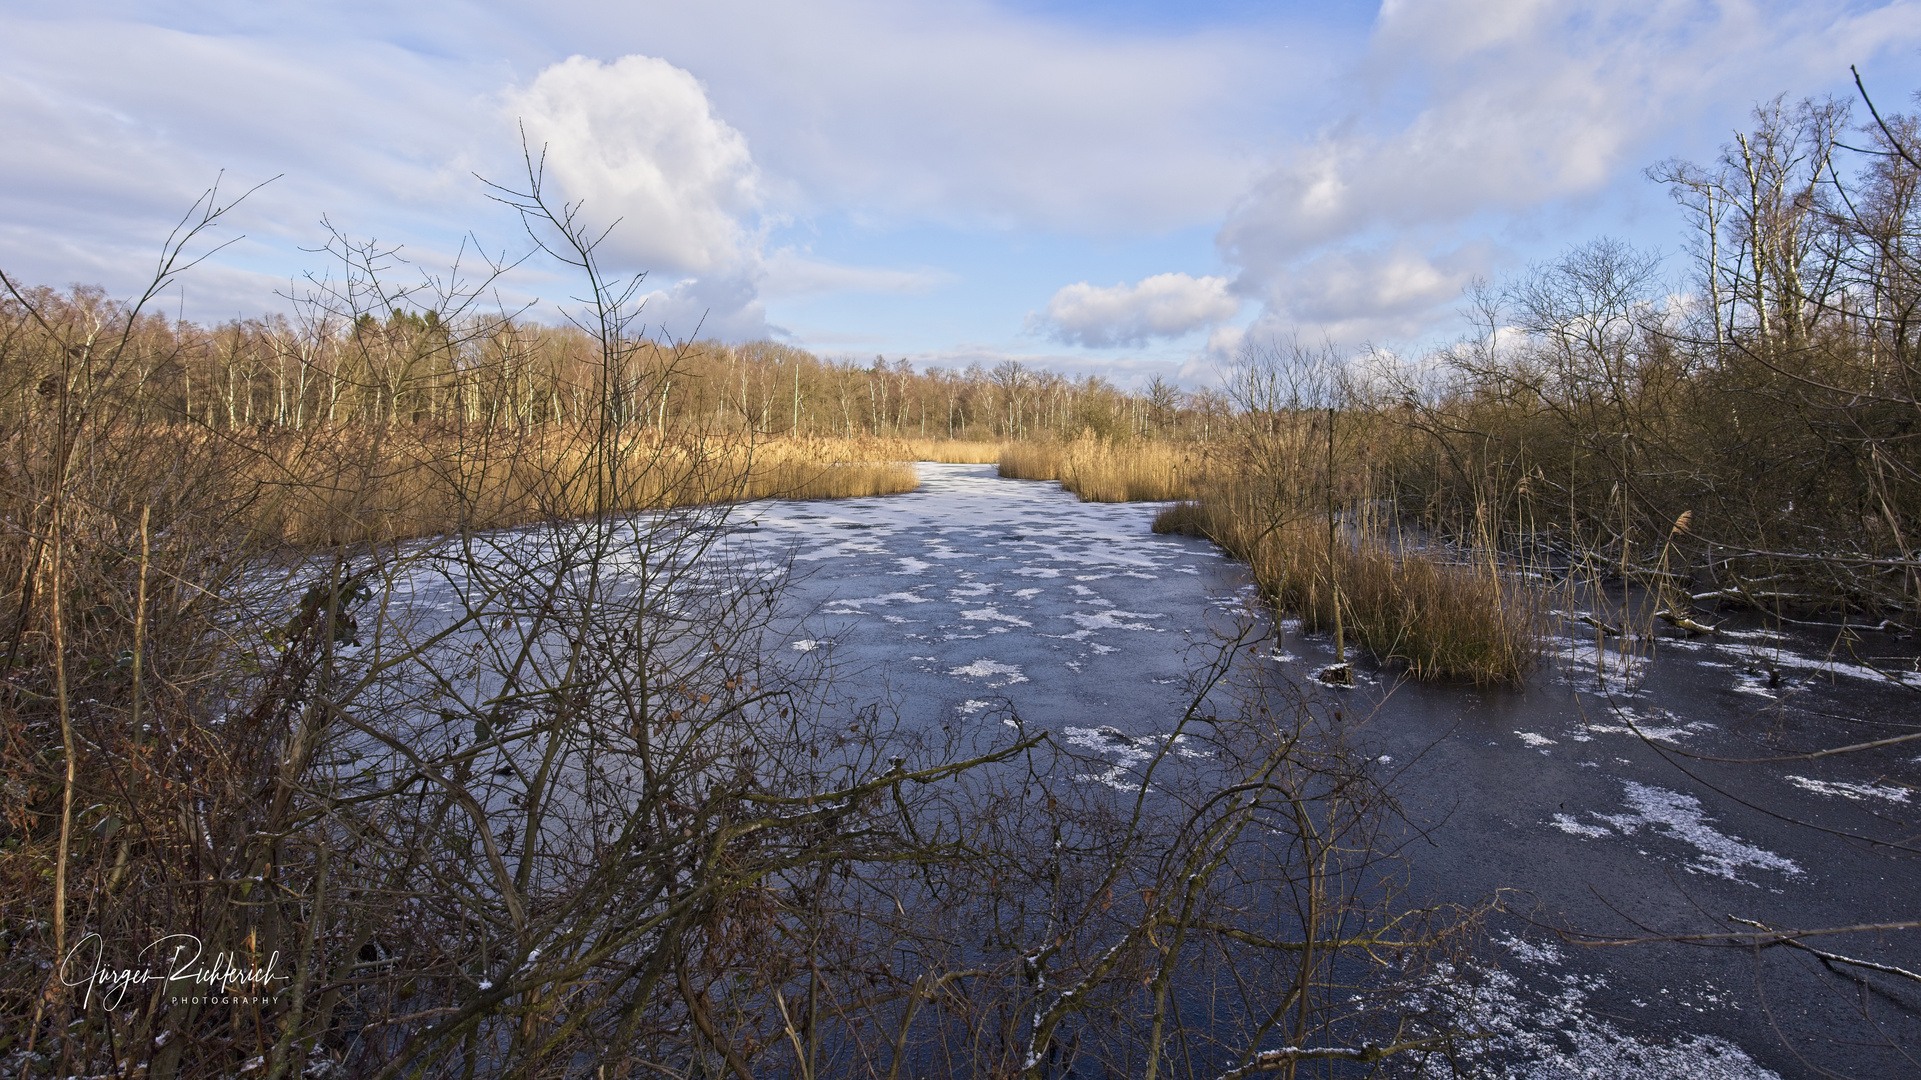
x=408, y=367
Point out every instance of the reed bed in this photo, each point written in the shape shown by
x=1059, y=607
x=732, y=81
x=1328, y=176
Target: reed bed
x=949, y=451
x=359, y=485
x=1444, y=616
x=1101, y=470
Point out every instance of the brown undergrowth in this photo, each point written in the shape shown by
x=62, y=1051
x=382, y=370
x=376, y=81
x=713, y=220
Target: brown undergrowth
x=947, y=451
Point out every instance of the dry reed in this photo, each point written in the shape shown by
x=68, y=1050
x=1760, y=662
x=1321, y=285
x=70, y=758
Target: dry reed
x=1100, y=470
x=949, y=451
x=372, y=485
x=1442, y=617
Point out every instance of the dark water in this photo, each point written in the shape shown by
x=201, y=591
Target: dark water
x=1588, y=794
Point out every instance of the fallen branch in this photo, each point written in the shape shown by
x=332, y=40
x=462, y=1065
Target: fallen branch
x=1684, y=622
x=1837, y=958
x=1274, y=1060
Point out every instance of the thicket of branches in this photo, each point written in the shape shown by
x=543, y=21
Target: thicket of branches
x=1771, y=409
x=538, y=802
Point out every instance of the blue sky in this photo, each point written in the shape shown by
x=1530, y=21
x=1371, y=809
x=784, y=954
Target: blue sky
x=1125, y=188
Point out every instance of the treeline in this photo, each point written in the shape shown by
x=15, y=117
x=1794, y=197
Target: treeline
x=409, y=367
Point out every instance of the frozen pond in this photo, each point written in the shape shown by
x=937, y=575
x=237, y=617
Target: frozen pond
x=974, y=589
x=1590, y=792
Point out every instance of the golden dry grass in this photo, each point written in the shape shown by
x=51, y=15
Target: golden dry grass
x=951, y=451
x=1443, y=618
x=1099, y=470
x=369, y=485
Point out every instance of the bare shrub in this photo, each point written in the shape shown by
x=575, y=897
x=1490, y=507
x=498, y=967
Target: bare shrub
x=543, y=801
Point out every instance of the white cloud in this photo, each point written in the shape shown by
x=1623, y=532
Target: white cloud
x=1376, y=286
x=1162, y=306
x=723, y=306
x=1223, y=347
x=637, y=140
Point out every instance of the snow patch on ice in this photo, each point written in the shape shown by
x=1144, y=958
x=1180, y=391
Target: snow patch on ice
x=1127, y=750
x=1527, y=952
x=1651, y=726
x=1112, y=620
x=1574, y=828
x=1679, y=817
x=987, y=669
x=884, y=598
x=1556, y=1035
x=1852, y=792
x=991, y=613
